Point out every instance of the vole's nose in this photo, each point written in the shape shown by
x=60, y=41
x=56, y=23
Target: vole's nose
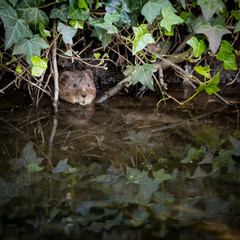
x=84, y=95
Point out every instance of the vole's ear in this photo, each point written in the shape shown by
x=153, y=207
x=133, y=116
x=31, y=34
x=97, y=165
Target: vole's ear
x=89, y=73
x=65, y=74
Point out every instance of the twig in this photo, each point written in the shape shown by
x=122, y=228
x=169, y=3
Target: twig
x=55, y=70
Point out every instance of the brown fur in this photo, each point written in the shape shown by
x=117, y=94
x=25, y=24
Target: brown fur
x=77, y=86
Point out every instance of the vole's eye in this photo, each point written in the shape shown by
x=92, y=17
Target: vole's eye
x=75, y=85
x=88, y=85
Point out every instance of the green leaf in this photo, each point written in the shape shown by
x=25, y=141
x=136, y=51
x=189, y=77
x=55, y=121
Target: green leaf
x=97, y=55
x=18, y=69
x=61, y=13
x=143, y=74
x=152, y=9
x=160, y=176
x=37, y=71
x=28, y=9
x=147, y=186
x=30, y=47
x=236, y=145
x=137, y=6
x=67, y=32
x=13, y=2
x=134, y=175
x=226, y=55
x=142, y=38
x=193, y=153
x=33, y=167
x=121, y=7
x=139, y=217
x=209, y=136
x=68, y=53
x=102, y=35
x=36, y=60
x=76, y=13
x=214, y=34
x=8, y=191
x=44, y=32
x=15, y=28
x=203, y=70
x=82, y=4
x=77, y=24
x=106, y=23
x=183, y=3
x=61, y=167
x=198, y=46
x=39, y=66
x=194, y=22
x=169, y=18
x=236, y=14
x=211, y=86
x=28, y=156
x=218, y=20
x=209, y=7
x=237, y=27
x=223, y=160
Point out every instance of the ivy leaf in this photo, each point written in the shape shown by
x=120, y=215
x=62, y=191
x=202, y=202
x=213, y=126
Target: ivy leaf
x=44, y=32
x=226, y=55
x=236, y=145
x=39, y=66
x=193, y=153
x=28, y=9
x=236, y=14
x=223, y=160
x=8, y=191
x=214, y=34
x=15, y=28
x=67, y=32
x=194, y=22
x=134, y=175
x=61, y=13
x=13, y=2
x=237, y=27
x=30, y=47
x=160, y=176
x=147, y=186
x=209, y=136
x=102, y=35
x=33, y=167
x=28, y=156
x=121, y=7
x=77, y=24
x=152, y=9
x=137, y=6
x=82, y=4
x=209, y=7
x=198, y=46
x=143, y=74
x=211, y=87
x=142, y=38
x=61, y=167
x=18, y=69
x=68, y=53
x=169, y=18
x=77, y=13
x=183, y=3
x=107, y=22
x=203, y=70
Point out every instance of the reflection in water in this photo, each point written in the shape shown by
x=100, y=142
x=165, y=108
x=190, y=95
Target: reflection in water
x=121, y=170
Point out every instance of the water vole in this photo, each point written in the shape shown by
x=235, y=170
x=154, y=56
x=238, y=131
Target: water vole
x=77, y=86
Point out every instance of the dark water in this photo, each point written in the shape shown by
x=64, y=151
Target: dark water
x=121, y=170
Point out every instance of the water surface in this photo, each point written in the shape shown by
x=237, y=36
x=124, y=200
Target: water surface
x=120, y=170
